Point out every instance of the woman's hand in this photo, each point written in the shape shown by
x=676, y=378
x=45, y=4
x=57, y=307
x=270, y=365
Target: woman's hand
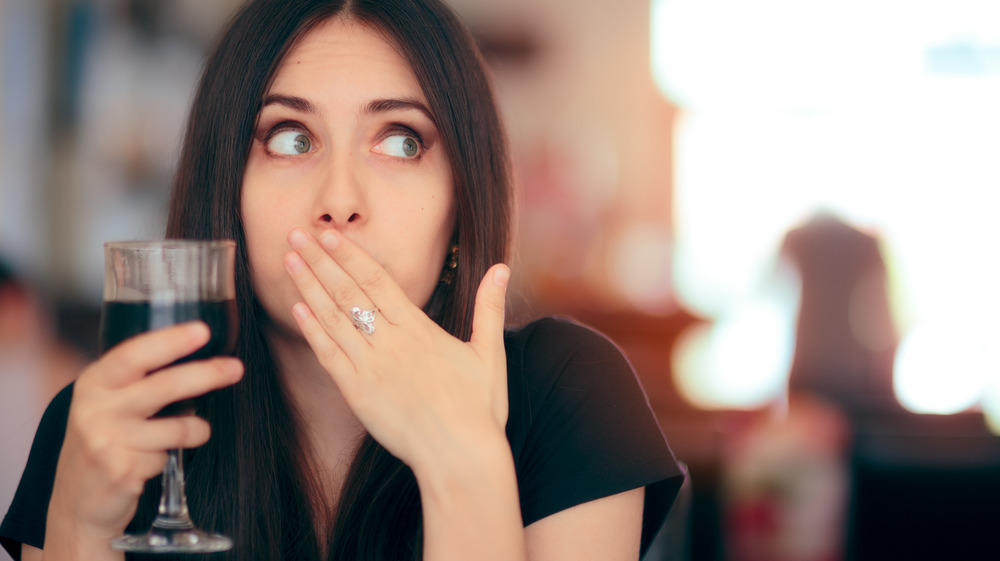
x=112, y=446
x=420, y=392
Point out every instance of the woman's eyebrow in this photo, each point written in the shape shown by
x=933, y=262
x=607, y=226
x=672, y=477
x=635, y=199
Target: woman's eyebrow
x=375, y=106
x=290, y=101
x=385, y=105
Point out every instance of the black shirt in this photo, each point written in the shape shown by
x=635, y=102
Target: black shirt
x=580, y=428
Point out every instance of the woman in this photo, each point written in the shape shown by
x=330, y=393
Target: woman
x=354, y=152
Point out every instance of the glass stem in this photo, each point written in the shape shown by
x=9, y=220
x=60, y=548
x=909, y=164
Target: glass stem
x=173, y=514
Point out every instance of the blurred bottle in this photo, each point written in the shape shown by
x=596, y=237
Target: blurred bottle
x=786, y=483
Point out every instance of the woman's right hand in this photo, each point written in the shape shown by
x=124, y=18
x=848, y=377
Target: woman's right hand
x=112, y=445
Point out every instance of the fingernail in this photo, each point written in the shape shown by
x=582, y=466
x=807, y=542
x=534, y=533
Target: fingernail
x=297, y=239
x=199, y=331
x=501, y=276
x=300, y=311
x=329, y=240
x=294, y=263
x=235, y=367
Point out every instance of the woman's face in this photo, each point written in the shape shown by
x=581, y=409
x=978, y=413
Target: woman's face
x=345, y=140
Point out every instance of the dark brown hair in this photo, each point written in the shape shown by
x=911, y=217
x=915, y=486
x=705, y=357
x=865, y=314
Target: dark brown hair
x=252, y=480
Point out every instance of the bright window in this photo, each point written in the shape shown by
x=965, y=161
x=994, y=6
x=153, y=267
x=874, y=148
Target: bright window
x=884, y=112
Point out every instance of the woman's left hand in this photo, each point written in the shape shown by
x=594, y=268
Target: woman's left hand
x=419, y=391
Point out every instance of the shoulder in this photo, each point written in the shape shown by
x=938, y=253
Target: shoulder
x=554, y=327
x=580, y=425
x=556, y=342
x=562, y=373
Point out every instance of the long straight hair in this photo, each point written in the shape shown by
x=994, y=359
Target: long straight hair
x=254, y=480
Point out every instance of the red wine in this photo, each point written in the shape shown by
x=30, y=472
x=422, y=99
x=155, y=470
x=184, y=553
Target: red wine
x=122, y=320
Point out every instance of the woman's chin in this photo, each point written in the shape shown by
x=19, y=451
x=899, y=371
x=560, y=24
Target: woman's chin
x=283, y=327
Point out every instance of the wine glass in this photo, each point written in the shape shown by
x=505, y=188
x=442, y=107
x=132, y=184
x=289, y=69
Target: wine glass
x=154, y=284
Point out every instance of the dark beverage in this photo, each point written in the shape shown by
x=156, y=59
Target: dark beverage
x=122, y=320
x=153, y=284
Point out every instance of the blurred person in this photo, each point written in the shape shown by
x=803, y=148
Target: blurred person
x=378, y=407
x=787, y=471
x=845, y=338
x=34, y=366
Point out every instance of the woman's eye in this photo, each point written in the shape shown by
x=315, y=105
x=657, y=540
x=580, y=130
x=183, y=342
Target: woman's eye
x=400, y=146
x=289, y=143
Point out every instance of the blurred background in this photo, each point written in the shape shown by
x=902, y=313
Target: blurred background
x=783, y=211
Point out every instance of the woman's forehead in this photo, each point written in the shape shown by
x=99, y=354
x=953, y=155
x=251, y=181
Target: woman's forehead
x=340, y=49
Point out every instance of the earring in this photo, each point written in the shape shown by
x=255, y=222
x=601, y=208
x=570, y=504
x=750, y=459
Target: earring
x=448, y=273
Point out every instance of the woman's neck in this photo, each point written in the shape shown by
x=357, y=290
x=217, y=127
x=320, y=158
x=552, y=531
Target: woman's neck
x=330, y=429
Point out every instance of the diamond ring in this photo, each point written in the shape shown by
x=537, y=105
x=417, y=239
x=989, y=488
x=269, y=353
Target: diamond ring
x=364, y=320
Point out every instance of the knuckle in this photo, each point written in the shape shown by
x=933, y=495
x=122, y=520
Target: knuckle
x=373, y=282
x=328, y=356
x=81, y=413
x=331, y=316
x=135, y=485
x=99, y=445
x=91, y=380
x=182, y=432
x=120, y=471
x=494, y=304
x=311, y=255
x=344, y=294
x=167, y=383
x=128, y=358
x=306, y=282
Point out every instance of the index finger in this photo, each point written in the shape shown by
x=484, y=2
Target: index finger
x=373, y=280
x=136, y=357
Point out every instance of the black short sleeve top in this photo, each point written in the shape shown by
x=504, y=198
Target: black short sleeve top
x=580, y=428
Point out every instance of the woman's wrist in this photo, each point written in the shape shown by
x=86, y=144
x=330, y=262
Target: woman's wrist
x=453, y=457
x=458, y=463
x=470, y=504
x=67, y=539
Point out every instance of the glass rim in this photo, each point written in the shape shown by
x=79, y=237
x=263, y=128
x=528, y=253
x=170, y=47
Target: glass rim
x=168, y=244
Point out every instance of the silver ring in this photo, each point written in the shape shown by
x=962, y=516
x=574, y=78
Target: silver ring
x=364, y=320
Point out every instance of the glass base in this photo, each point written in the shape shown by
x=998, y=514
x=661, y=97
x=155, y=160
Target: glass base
x=161, y=540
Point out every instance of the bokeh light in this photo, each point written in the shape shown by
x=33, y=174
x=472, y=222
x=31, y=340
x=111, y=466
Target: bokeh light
x=741, y=361
x=640, y=267
x=943, y=367
x=991, y=399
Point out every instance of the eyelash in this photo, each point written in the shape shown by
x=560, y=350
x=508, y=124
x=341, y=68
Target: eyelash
x=397, y=129
x=281, y=127
x=392, y=130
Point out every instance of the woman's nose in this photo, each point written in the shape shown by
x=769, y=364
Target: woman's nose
x=327, y=218
x=340, y=200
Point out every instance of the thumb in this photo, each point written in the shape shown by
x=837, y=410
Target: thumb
x=488, y=315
